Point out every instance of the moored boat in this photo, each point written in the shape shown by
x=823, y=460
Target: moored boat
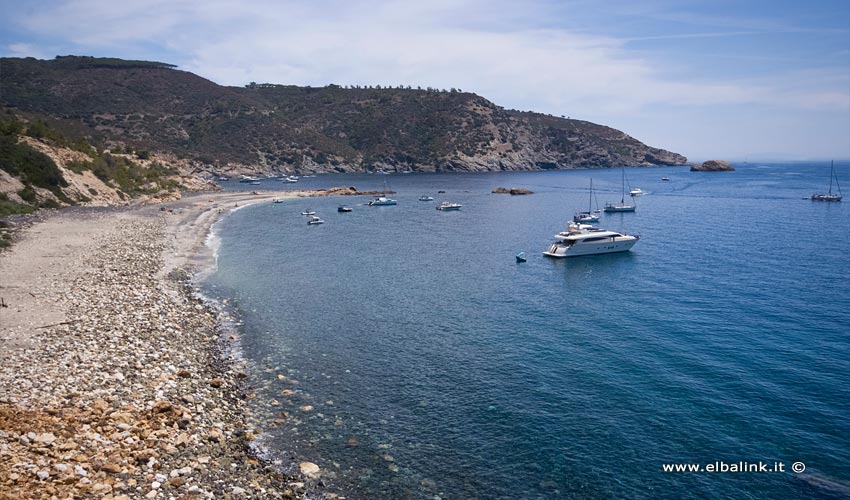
x=590, y=215
x=315, y=220
x=447, y=205
x=581, y=239
x=343, y=209
x=425, y=197
x=622, y=206
x=829, y=196
x=585, y=217
x=380, y=201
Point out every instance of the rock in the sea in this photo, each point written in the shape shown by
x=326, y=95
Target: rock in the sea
x=713, y=166
x=512, y=191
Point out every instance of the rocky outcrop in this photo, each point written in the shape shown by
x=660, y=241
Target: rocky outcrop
x=713, y=166
x=512, y=191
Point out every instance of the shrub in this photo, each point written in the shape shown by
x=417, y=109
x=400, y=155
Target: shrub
x=33, y=167
x=27, y=194
x=8, y=207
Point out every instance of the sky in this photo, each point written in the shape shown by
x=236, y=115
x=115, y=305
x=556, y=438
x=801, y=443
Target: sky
x=711, y=79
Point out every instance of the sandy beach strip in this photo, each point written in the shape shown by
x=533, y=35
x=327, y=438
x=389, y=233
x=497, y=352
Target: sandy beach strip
x=113, y=381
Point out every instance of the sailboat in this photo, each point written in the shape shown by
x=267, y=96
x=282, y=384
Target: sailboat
x=620, y=207
x=382, y=200
x=590, y=215
x=829, y=196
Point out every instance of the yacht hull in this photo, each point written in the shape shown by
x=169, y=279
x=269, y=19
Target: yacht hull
x=559, y=250
x=611, y=209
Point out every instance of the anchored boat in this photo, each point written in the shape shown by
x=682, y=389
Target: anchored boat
x=581, y=239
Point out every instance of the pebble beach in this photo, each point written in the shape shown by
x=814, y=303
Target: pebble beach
x=116, y=381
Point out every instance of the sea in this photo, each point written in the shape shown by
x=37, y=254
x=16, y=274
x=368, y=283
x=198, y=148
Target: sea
x=406, y=352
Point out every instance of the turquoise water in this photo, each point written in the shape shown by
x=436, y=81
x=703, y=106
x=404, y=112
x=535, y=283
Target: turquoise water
x=436, y=366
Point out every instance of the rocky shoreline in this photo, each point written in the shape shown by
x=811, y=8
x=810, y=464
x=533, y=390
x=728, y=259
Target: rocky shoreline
x=126, y=390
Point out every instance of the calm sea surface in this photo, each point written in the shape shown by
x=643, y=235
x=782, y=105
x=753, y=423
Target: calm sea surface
x=436, y=366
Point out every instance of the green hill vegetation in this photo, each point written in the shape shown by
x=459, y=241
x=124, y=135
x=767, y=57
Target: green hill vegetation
x=282, y=128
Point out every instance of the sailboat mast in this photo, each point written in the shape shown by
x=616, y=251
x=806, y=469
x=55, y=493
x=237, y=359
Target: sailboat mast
x=831, y=174
x=623, y=188
x=590, y=197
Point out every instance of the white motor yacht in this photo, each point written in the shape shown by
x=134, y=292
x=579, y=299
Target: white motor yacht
x=582, y=239
x=315, y=220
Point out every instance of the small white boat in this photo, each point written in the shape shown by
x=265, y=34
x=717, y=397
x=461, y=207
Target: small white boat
x=223, y=179
x=581, y=239
x=344, y=209
x=315, y=220
x=585, y=217
x=636, y=192
x=381, y=201
x=247, y=179
x=277, y=200
x=622, y=206
x=425, y=197
x=308, y=212
x=446, y=205
x=665, y=178
x=619, y=207
x=590, y=215
x=288, y=179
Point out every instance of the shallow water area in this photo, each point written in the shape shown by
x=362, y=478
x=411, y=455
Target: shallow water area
x=405, y=351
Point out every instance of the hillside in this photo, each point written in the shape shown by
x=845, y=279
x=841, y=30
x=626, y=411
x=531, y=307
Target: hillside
x=40, y=167
x=280, y=128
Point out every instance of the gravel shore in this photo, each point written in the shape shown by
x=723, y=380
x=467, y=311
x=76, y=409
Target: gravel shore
x=115, y=382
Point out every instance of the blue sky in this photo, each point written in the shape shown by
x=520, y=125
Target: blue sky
x=709, y=79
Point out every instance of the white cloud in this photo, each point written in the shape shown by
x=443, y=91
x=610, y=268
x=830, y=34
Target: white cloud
x=25, y=50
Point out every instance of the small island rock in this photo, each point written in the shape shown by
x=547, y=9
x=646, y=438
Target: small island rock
x=713, y=166
x=512, y=191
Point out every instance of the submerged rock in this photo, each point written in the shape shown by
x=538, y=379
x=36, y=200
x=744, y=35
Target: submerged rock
x=309, y=469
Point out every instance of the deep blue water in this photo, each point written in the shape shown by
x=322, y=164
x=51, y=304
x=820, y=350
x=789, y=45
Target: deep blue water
x=437, y=366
